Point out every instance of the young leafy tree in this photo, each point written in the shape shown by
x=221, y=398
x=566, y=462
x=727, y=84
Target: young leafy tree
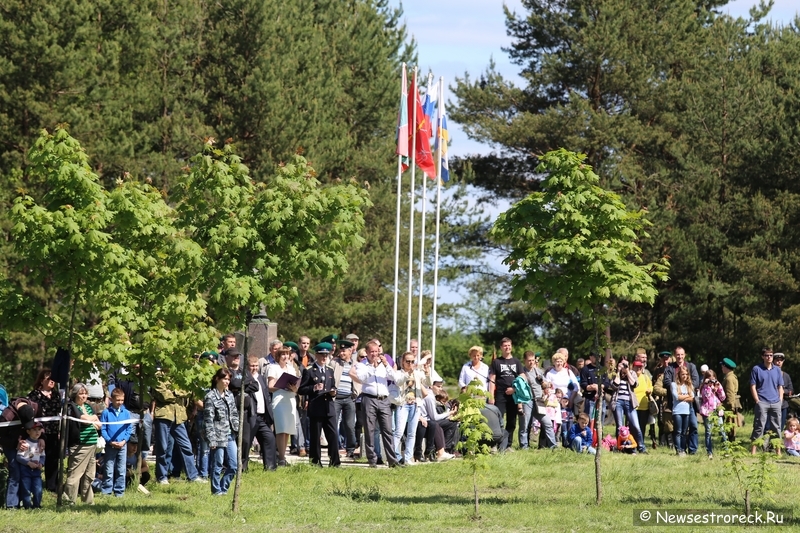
x=474, y=432
x=258, y=241
x=575, y=245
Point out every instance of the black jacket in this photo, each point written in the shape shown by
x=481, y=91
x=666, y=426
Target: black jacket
x=320, y=403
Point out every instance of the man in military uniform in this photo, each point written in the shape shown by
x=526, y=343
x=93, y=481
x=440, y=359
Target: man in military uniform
x=319, y=387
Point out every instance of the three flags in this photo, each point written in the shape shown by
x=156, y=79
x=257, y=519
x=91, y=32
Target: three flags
x=422, y=131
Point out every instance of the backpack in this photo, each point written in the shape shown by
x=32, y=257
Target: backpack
x=522, y=391
x=21, y=409
x=3, y=399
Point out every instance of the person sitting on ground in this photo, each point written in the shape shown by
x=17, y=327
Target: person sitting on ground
x=626, y=443
x=428, y=426
x=580, y=436
x=130, y=463
x=791, y=437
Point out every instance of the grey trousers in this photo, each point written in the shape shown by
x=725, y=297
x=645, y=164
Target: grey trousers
x=378, y=413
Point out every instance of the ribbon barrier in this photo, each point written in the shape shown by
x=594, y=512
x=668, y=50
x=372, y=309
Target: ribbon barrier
x=58, y=418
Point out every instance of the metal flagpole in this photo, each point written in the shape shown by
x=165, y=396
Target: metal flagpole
x=403, y=89
x=439, y=141
x=413, y=149
x=422, y=242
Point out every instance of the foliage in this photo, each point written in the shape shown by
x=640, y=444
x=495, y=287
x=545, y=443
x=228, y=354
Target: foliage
x=143, y=84
x=753, y=479
x=684, y=112
x=357, y=493
x=574, y=244
x=474, y=432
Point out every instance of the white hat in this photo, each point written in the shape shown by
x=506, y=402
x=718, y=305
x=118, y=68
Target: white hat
x=704, y=369
x=436, y=377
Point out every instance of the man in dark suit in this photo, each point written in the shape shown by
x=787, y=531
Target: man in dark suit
x=261, y=419
x=319, y=388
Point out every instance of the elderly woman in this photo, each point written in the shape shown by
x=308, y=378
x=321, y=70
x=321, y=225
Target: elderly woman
x=82, y=441
x=284, y=405
x=562, y=377
x=474, y=368
x=221, y=423
x=45, y=394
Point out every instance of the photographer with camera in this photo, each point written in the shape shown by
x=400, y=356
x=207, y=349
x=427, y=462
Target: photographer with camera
x=626, y=402
x=712, y=394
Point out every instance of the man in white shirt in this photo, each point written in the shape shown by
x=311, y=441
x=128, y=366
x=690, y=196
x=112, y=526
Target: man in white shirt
x=374, y=376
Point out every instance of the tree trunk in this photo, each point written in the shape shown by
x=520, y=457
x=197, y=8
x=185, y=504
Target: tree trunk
x=747, y=502
x=475, y=488
x=237, y=486
x=598, y=423
x=63, y=444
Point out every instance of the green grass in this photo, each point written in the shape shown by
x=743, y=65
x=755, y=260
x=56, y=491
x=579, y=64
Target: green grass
x=523, y=491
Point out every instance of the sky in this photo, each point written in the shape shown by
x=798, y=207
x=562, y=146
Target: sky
x=455, y=37
x=458, y=36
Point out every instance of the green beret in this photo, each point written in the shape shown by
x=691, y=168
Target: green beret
x=323, y=348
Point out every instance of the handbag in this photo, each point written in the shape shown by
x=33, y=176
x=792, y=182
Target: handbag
x=394, y=394
x=101, y=444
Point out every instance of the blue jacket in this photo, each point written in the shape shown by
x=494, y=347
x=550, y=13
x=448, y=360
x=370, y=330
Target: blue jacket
x=115, y=432
x=585, y=434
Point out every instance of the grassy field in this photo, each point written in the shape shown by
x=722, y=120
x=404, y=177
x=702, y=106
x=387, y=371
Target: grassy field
x=523, y=491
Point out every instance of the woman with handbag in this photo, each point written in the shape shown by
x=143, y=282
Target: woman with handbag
x=644, y=394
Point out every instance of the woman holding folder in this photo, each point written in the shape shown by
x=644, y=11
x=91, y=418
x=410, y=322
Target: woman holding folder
x=283, y=378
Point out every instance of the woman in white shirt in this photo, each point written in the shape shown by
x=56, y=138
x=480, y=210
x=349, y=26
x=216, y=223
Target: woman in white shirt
x=284, y=406
x=474, y=369
x=562, y=377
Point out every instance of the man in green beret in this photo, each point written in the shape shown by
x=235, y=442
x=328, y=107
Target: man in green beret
x=730, y=384
x=319, y=387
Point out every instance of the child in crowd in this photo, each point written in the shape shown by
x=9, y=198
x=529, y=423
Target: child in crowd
x=791, y=437
x=130, y=463
x=551, y=406
x=580, y=435
x=711, y=397
x=116, y=435
x=31, y=463
x=625, y=441
x=566, y=416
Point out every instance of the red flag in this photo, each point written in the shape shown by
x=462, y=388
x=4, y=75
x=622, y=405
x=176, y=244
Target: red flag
x=424, y=157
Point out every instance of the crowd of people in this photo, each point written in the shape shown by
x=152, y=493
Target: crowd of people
x=361, y=403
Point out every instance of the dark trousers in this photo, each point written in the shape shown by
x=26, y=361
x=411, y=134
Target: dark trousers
x=451, y=436
x=318, y=424
x=265, y=436
x=346, y=407
x=51, y=462
x=247, y=441
x=505, y=403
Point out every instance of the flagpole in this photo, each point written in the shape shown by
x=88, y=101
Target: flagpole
x=422, y=240
x=413, y=150
x=403, y=102
x=440, y=151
